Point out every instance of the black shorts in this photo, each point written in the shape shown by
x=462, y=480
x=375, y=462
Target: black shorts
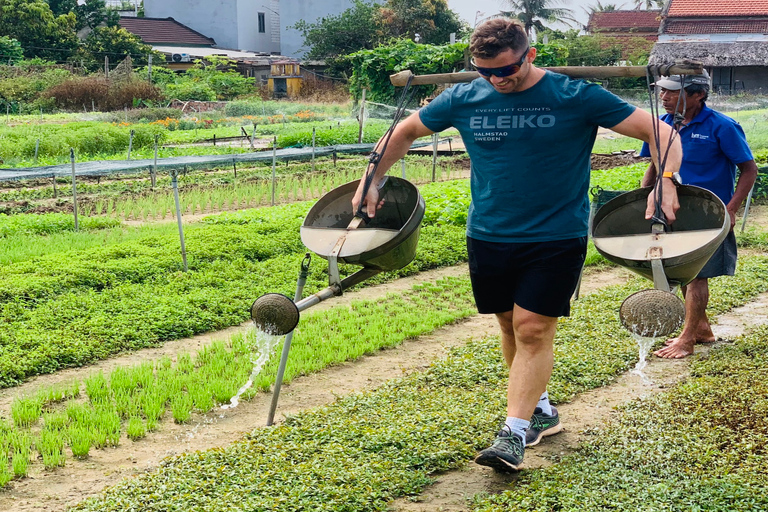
x=723, y=261
x=538, y=276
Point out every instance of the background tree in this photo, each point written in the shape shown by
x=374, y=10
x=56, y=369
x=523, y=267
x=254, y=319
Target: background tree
x=649, y=4
x=95, y=12
x=431, y=19
x=115, y=43
x=371, y=68
x=10, y=50
x=90, y=13
x=39, y=31
x=357, y=28
x=586, y=50
x=600, y=7
x=59, y=7
x=533, y=13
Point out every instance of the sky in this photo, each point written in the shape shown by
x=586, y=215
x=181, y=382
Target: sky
x=468, y=9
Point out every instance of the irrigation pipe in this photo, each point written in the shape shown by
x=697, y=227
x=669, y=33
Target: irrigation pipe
x=303, y=272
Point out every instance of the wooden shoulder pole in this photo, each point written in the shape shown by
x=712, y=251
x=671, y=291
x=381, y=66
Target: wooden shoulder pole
x=680, y=67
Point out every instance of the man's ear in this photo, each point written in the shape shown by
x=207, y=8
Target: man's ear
x=532, y=54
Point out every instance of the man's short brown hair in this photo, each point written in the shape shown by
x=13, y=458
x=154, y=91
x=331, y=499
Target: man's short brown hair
x=497, y=35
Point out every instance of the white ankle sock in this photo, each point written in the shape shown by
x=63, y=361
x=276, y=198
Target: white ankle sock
x=518, y=426
x=544, y=404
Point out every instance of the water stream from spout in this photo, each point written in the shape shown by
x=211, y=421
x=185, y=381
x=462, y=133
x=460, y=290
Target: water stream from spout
x=264, y=344
x=644, y=345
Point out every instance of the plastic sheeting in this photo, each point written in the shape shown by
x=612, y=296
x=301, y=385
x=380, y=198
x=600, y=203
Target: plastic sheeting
x=107, y=167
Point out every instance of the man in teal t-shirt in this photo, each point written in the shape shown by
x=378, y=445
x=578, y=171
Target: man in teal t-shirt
x=529, y=134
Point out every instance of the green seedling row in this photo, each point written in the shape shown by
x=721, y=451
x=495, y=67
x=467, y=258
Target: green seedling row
x=214, y=375
x=128, y=290
x=366, y=449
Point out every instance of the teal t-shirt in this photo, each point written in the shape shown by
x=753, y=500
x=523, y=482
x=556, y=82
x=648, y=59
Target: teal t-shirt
x=530, y=153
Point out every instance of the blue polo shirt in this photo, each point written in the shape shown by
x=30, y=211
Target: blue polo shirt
x=713, y=144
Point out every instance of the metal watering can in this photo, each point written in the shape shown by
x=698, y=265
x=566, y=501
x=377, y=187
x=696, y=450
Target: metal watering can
x=331, y=230
x=669, y=258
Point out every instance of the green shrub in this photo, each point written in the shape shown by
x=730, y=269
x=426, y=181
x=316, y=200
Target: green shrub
x=27, y=87
x=189, y=90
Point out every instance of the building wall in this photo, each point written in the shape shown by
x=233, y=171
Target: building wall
x=232, y=23
x=308, y=10
x=248, y=35
x=750, y=78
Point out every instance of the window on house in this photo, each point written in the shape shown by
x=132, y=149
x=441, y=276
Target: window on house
x=262, y=23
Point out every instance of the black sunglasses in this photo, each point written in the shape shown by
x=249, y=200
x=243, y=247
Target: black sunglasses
x=503, y=70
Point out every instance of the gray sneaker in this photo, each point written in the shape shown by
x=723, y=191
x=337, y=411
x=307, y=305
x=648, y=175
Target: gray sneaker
x=505, y=454
x=542, y=425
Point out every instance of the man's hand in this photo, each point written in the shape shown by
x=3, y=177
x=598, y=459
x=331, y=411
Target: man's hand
x=732, y=214
x=370, y=201
x=669, y=202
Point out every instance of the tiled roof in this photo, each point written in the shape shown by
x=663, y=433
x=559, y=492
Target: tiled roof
x=717, y=27
x=164, y=30
x=718, y=8
x=624, y=20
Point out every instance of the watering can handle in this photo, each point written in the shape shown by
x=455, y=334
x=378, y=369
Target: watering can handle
x=361, y=213
x=659, y=218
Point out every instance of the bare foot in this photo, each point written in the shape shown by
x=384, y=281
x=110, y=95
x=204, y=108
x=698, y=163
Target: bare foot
x=705, y=339
x=676, y=350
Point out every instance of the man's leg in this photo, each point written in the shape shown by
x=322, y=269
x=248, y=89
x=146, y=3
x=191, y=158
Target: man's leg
x=697, y=327
x=527, y=344
x=533, y=358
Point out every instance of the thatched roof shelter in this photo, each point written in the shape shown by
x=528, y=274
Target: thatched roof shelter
x=730, y=54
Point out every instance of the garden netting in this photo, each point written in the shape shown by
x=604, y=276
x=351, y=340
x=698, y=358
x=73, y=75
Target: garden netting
x=107, y=167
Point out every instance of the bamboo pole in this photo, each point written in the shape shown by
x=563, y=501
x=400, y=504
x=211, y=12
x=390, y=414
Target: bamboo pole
x=680, y=67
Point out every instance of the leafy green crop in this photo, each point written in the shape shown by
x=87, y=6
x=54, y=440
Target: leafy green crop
x=366, y=449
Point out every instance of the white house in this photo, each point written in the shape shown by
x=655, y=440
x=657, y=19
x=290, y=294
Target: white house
x=249, y=25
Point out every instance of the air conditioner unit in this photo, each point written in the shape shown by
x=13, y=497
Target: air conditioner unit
x=181, y=57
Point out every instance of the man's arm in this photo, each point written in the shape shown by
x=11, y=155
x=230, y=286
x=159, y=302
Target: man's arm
x=640, y=126
x=403, y=136
x=649, y=178
x=747, y=178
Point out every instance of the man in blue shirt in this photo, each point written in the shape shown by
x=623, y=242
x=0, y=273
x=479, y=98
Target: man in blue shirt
x=714, y=145
x=529, y=134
